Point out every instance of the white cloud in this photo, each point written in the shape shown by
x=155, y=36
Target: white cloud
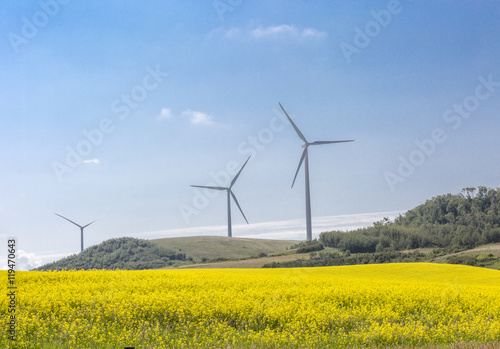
x=313, y=33
x=198, y=117
x=194, y=117
x=165, y=114
x=91, y=161
x=283, y=29
x=278, y=32
x=287, y=31
x=232, y=33
x=25, y=261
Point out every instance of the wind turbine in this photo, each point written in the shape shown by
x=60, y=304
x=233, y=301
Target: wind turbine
x=304, y=158
x=229, y=194
x=78, y=225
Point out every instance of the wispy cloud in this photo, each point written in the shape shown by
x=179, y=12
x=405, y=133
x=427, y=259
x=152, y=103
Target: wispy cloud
x=313, y=33
x=165, y=114
x=91, y=161
x=278, y=32
x=287, y=31
x=281, y=230
x=193, y=116
x=232, y=33
x=198, y=117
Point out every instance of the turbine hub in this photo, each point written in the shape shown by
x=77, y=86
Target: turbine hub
x=304, y=145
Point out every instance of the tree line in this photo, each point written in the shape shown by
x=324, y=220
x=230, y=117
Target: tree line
x=323, y=259
x=455, y=221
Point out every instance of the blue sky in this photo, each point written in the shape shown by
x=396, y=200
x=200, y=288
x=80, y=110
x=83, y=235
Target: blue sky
x=114, y=109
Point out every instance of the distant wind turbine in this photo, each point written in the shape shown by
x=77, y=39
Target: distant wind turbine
x=78, y=225
x=229, y=194
x=303, y=158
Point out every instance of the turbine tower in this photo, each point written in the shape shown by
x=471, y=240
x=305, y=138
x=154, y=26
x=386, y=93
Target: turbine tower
x=78, y=225
x=304, y=158
x=229, y=195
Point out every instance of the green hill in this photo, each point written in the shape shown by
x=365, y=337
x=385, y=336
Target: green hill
x=122, y=253
x=208, y=248
x=455, y=222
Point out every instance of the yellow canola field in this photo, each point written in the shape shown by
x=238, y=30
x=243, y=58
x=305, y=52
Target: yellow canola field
x=372, y=305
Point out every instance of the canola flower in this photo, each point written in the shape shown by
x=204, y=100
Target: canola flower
x=339, y=307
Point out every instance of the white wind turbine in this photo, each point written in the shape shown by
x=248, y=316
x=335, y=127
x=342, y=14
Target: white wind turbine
x=229, y=195
x=304, y=158
x=78, y=225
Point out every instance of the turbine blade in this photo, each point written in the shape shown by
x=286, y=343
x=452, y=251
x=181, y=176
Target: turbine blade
x=294, y=126
x=206, y=187
x=238, y=174
x=300, y=164
x=237, y=204
x=92, y=222
x=69, y=220
x=328, y=142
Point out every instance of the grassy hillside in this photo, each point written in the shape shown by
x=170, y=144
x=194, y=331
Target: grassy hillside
x=486, y=256
x=207, y=248
x=122, y=253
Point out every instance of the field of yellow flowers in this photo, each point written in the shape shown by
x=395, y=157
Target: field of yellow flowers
x=368, y=305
